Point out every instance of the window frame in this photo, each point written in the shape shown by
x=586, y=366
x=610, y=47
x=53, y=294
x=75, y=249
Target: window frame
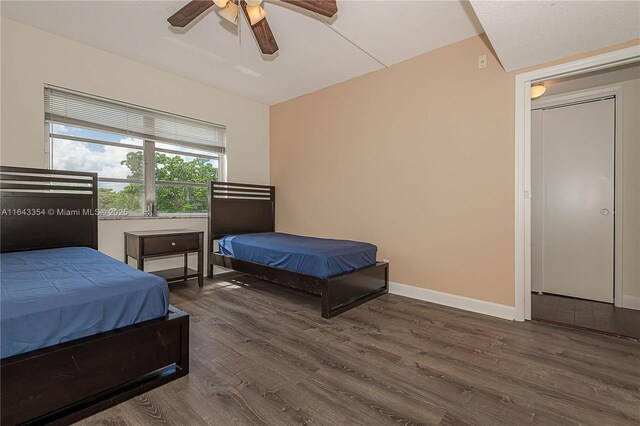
x=149, y=183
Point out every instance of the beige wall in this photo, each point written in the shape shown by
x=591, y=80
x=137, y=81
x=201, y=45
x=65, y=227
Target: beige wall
x=31, y=58
x=417, y=158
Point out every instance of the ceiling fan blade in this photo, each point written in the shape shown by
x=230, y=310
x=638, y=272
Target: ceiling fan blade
x=326, y=8
x=262, y=32
x=188, y=13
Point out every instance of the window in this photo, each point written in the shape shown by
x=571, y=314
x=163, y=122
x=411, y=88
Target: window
x=148, y=162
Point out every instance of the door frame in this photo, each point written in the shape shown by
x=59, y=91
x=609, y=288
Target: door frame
x=590, y=95
x=522, y=185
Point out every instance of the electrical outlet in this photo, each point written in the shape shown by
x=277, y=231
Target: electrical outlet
x=482, y=62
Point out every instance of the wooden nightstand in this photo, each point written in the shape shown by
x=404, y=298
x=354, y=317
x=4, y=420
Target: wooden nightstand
x=143, y=245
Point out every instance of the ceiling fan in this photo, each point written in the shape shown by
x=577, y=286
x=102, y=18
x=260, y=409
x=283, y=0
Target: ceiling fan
x=254, y=13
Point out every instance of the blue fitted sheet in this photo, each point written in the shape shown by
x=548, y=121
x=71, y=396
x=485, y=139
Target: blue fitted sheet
x=318, y=257
x=53, y=296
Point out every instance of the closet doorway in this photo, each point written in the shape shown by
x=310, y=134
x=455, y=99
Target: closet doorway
x=585, y=202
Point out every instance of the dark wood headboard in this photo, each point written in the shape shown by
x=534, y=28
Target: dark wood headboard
x=43, y=208
x=240, y=208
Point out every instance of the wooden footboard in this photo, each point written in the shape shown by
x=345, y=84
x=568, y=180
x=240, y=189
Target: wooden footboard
x=337, y=294
x=350, y=290
x=67, y=382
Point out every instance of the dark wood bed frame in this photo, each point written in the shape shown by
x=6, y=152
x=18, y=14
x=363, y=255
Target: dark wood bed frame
x=64, y=383
x=238, y=208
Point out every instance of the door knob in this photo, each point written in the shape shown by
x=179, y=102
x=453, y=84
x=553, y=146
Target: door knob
x=604, y=212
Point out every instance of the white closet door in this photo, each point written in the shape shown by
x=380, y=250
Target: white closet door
x=578, y=200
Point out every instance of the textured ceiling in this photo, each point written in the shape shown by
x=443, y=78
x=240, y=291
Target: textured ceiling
x=525, y=33
x=316, y=52
x=364, y=37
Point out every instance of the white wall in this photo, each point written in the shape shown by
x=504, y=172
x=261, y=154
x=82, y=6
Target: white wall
x=629, y=79
x=32, y=58
x=631, y=197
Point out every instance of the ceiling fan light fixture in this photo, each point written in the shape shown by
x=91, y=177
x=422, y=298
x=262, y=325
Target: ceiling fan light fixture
x=255, y=14
x=537, y=90
x=230, y=12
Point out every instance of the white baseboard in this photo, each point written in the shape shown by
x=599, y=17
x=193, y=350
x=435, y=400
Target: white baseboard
x=631, y=302
x=460, y=302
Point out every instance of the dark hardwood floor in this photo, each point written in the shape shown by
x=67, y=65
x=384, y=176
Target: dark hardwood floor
x=262, y=354
x=587, y=314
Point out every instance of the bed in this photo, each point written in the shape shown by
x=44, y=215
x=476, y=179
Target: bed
x=57, y=295
x=80, y=331
x=242, y=237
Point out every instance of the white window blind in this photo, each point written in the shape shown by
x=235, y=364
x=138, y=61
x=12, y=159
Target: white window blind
x=78, y=109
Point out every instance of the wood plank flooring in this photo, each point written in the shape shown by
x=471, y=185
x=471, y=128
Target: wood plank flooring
x=262, y=354
x=587, y=314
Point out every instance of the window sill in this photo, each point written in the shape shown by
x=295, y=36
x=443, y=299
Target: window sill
x=168, y=216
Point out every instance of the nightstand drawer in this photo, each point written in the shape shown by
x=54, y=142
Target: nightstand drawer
x=170, y=244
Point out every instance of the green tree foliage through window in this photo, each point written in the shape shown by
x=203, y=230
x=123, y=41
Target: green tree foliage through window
x=181, y=198
x=129, y=198
x=170, y=198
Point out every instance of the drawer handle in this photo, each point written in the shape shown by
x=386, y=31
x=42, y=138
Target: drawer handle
x=173, y=244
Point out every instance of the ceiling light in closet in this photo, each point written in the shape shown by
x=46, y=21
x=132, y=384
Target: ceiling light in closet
x=537, y=90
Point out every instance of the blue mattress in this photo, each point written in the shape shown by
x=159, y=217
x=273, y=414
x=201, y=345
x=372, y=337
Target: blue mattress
x=53, y=296
x=318, y=257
